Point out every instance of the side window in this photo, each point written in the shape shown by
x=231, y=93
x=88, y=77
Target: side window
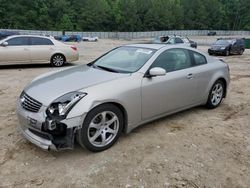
x=18, y=41
x=171, y=41
x=40, y=41
x=173, y=60
x=199, y=59
x=178, y=40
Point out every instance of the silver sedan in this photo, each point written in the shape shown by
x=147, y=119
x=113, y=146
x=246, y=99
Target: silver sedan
x=128, y=86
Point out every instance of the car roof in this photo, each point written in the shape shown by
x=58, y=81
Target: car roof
x=41, y=36
x=171, y=36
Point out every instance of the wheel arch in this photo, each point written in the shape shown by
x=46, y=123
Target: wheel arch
x=225, y=85
x=123, y=110
x=215, y=78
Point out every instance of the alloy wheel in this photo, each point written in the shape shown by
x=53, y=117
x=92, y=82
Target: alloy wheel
x=58, y=60
x=103, y=129
x=217, y=94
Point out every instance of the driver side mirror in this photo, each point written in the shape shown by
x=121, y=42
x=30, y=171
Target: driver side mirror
x=157, y=71
x=4, y=44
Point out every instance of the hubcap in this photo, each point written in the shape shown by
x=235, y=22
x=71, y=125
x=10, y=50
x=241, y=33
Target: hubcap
x=217, y=94
x=103, y=129
x=58, y=60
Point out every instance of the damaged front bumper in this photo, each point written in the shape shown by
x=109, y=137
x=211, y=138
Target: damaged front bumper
x=36, y=128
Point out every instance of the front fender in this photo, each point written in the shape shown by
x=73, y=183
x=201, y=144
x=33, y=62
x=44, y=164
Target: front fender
x=125, y=92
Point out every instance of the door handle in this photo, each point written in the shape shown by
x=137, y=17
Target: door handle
x=190, y=76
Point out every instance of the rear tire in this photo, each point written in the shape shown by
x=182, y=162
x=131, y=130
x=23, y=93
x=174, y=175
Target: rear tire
x=241, y=51
x=101, y=128
x=216, y=94
x=57, y=60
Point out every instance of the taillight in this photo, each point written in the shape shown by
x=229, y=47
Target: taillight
x=74, y=48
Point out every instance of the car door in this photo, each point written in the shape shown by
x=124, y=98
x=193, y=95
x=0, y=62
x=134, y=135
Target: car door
x=16, y=51
x=173, y=91
x=234, y=47
x=203, y=73
x=41, y=49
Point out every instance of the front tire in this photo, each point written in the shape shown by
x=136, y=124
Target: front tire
x=101, y=128
x=216, y=94
x=57, y=60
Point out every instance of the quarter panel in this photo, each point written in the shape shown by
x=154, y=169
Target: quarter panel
x=214, y=71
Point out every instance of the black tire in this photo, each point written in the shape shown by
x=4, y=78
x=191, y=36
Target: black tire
x=83, y=134
x=57, y=60
x=227, y=53
x=210, y=104
x=241, y=51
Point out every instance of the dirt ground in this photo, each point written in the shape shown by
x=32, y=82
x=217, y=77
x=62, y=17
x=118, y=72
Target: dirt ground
x=195, y=148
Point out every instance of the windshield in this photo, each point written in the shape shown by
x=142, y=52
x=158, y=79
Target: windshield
x=222, y=42
x=124, y=59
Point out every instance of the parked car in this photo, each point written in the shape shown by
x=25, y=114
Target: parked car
x=128, y=86
x=68, y=38
x=90, y=39
x=24, y=49
x=226, y=47
x=174, y=39
x=4, y=34
x=211, y=33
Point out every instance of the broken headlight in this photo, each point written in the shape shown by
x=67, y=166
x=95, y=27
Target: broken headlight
x=62, y=105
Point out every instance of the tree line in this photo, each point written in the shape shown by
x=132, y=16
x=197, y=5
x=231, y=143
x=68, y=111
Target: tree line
x=125, y=15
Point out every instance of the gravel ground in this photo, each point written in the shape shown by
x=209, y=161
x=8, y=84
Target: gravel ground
x=194, y=148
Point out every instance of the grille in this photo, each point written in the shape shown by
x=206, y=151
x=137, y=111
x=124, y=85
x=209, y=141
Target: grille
x=30, y=104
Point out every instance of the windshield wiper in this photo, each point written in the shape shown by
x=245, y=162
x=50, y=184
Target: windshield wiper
x=105, y=68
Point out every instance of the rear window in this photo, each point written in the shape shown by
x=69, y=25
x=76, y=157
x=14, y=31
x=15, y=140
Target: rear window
x=40, y=41
x=199, y=59
x=240, y=41
x=178, y=40
x=185, y=40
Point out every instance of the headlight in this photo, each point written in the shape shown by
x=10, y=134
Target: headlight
x=222, y=48
x=62, y=105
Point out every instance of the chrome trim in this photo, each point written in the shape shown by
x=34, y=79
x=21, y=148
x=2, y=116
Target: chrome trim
x=30, y=104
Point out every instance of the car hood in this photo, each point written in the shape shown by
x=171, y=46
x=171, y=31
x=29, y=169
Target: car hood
x=49, y=87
